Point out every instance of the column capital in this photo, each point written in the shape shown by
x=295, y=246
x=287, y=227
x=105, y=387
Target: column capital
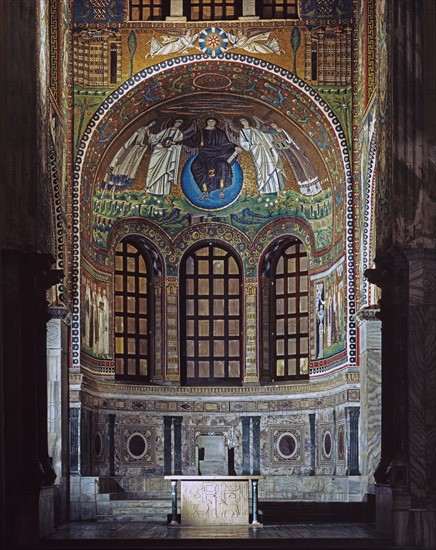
x=370, y=313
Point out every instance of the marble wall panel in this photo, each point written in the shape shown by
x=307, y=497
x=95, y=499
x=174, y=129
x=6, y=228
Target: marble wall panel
x=286, y=451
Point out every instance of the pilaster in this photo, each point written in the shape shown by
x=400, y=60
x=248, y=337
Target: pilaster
x=250, y=373
x=172, y=352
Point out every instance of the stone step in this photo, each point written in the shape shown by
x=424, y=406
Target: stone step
x=154, y=510
x=288, y=512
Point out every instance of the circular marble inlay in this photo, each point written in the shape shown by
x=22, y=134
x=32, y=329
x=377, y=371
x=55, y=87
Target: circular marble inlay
x=327, y=444
x=137, y=445
x=98, y=444
x=286, y=445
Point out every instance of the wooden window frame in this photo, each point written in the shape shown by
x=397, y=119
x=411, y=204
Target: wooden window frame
x=195, y=317
x=276, y=6
x=125, y=334
x=214, y=5
x=287, y=315
x=142, y=5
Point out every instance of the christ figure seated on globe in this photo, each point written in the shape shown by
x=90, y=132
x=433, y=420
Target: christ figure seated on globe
x=212, y=166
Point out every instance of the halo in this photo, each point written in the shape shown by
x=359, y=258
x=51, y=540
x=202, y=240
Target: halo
x=201, y=121
x=237, y=120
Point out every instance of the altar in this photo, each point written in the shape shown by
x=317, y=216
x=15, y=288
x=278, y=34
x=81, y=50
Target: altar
x=215, y=499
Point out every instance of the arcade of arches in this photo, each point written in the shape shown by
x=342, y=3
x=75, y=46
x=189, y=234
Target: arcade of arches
x=217, y=219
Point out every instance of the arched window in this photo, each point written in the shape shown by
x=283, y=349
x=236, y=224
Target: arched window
x=285, y=310
x=277, y=9
x=212, y=10
x=133, y=311
x=211, y=316
x=148, y=10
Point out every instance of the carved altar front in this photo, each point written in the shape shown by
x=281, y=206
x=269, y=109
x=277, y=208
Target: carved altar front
x=215, y=500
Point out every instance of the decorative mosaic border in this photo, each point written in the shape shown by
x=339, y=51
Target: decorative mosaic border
x=368, y=203
x=209, y=407
x=193, y=399
x=57, y=220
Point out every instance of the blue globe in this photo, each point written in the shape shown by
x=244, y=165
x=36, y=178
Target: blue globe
x=213, y=201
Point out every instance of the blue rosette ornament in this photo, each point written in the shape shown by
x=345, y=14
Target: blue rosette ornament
x=213, y=41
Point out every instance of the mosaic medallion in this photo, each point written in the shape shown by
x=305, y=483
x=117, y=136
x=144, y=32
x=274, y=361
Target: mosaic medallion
x=213, y=41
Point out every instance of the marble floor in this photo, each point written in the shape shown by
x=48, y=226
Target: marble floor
x=131, y=534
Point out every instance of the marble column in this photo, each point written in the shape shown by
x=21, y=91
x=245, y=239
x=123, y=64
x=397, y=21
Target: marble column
x=246, y=445
x=172, y=444
x=111, y=444
x=353, y=441
x=174, y=501
x=57, y=391
x=255, y=420
x=25, y=279
x=177, y=422
x=370, y=390
x=254, y=485
x=75, y=441
x=168, y=421
x=312, y=444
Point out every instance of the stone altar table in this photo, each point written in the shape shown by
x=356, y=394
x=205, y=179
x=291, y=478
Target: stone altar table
x=214, y=500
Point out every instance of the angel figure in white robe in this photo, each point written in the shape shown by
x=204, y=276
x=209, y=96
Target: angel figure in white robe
x=301, y=166
x=266, y=160
x=172, y=44
x=257, y=43
x=124, y=166
x=164, y=161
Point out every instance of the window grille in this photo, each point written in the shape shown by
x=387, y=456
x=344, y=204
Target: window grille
x=211, y=316
x=133, y=312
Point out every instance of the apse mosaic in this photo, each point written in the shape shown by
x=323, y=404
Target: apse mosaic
x=186, y=132
x=214, y=154
x=223, y=151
